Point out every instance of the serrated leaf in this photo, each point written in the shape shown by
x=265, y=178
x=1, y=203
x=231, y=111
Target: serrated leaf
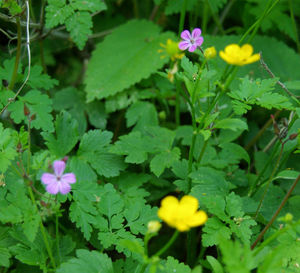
x=38, y=80
x=83, y=214
x=8, y=152
x=141, y=114
x=172, y=265
x=38, y=104
x=89, y=5
x=215, y=264
x=88, y=262
x=233, y=153
x=126, y=56
x=164, y=160
x=79, y=25
x=57, y=12
x=66, y=135
x=213, y=230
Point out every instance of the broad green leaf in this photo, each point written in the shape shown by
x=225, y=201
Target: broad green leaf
x=233, y=124
x=88, y=5
x=287, y=174
x=133, y=246
x=233, y=153
x=66, y=135
x=124, y=58
x=88, y=262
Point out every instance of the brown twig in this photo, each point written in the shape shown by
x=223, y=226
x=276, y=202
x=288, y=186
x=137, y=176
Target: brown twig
x=286, y=197
x=265, y=66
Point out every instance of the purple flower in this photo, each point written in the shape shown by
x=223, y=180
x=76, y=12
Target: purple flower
x=58, y=182
x=191, y=42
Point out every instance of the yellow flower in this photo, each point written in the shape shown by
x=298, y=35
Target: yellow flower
x=210, y=52
x=182, y=214
x=172, y=50
x=236, y=55
x=153, y=226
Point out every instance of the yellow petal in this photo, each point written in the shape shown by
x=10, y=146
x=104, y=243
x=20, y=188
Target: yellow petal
x=198, y=219
x=247, y=50
x=182, y=226
x=232, y=49
x=227, y=58
x=252, y=59
x=189, y=202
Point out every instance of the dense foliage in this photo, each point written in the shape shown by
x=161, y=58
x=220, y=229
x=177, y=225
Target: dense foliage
x=149, y=136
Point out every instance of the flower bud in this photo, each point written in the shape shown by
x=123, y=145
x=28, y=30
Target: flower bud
x=210, y=53
x=153, y=226
x=26, y=110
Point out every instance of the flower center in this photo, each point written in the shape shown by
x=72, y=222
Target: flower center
x=192, y=41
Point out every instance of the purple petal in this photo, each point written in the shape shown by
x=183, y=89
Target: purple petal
x=64, y=187
x=184, y=45
x=68, y=178
x=59, y=167
x=185, y=35
x=196, y=33
x=48, y=178
x=192, y=48
x=53, y=188
x=199, y=41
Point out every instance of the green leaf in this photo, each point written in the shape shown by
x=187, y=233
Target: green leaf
x=233, y=153
x=88, y=262
x=126, y=56
x=94, y=149
x=66, y=135
x=232, y=124
x=172, y=265
x=7, y=70
x=5, y=243
x=133, y=146
x=287, y=174
x=89, y=5
x=79, y=25
x=213, y=230
x=141, y=114
x=175, y=6
x=8, y=143
x=164, y=160
x=38, y=80
x=83, y=214
x=133, y=246
x=57, y=12
x=39, y=105
x=215, y=264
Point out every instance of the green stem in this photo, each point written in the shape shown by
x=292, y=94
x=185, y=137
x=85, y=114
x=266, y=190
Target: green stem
x=257, y=24
x=168, y=244
x=143, y=268
x=294, y=25
x=204, y=18
x=270, y=180
x=135, y=8
x=215, y=17
x=42, y=228
x=286, y=197
x=177, y=105
x=202, y=151
x=182, y=17
x=18, y=55
x=261, y=131
x=29, y=145
x=57, y=236
x=191, y=247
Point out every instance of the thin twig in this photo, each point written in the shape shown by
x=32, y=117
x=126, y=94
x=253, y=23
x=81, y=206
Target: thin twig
x=13, y=20
x=29, y=61
x=154, y=12
x=265, y=66
x=286, y=197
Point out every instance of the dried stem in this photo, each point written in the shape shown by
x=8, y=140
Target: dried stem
x=265, y=66
x=286, y=197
